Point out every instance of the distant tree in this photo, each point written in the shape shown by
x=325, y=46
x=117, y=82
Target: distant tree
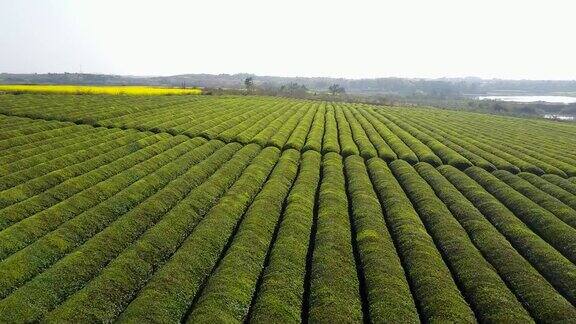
x=336, y=89
x=249, y=84
x=294, y=89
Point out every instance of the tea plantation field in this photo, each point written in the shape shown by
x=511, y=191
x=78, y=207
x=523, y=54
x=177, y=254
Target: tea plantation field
x=210, y=209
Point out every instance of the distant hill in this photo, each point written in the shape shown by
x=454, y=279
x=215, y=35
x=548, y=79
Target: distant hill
x=444, y=87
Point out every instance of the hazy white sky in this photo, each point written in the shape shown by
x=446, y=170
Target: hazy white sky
x=355, y=39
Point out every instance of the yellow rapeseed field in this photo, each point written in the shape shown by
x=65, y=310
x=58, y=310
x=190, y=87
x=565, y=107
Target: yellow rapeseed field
x=111, y=90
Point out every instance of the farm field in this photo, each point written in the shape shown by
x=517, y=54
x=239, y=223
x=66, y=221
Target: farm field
x=273, y=210
x=106, y=90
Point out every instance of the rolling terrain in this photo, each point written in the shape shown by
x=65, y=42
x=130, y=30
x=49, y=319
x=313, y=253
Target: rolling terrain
x=264, y=209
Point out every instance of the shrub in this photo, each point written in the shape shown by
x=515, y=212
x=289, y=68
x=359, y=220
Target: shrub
x=281, y=294
x=551, y=204
x=550, y=188
x=171, y=289
x=536, y=294
x=388, y=293
x=334, y=286
x=558, y=270
x=560, y=235
x=231, y=287
x=51, y=287
x=433, y=287
x=481, y=285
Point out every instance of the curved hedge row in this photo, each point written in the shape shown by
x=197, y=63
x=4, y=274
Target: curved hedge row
x=157, y=244
x=128, y=203
x=348, y=146
x=365, y=147
x=19, y=235
x=298, y=133
x=334, y=286
x=530, y=287
x=54, y=285
x=423, y=152
x=231, y=286
x=30, y=182
x=330, y=142
x=551, y=204
x=551, y=264
x=561, y=182
x=170, y=291
x=550, y=188
x=92, y=180
x=435, y=292
x=281, y=295
x=401, y=150
x=480, y=284
x=317, y=131
x=560, y=235
x=445, y=153
x=383, y=150
x=387, y=290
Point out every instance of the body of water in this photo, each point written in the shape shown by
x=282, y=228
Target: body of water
x=550, y=99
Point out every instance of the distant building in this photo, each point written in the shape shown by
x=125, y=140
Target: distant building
x=559, y=117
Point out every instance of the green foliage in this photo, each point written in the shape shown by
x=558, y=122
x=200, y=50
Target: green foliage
x=281, y=295
x=387, y=290
x=268, y=209
x=230, y=288
x=558, y=270
x=433, y=287
x=172, y=288
x=334, y=287
x=551, y=204
x=480, y=284
x=550, y=188
x=559, y=234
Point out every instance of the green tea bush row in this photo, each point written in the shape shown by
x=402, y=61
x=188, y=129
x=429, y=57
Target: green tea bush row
x=171, y=289
x=331, y=142
x=231, y=287
x=30, y=182
x=551, y=264
x=401, y=150
x=365, y=147
x=54, y=285
x=559, y=234
x=483, y=288
x=281, y=294
x=317, y=131
x=74, y=232
x=567, y=185
x=435, y=292
x=264, y=128
x=63, y=129
x=423, y=152
x=550, y=188
x=39, y=165
x=551, y=204
x=156, y=245
x=447, y=140
x=535, y=293
x=348, y=146
x=445, y=153
x=86, y=133
x=466, y=144
x=284, y=132
x=294, y=132
x=92, y=180
x=387, y=290
x=383, y=149
x=20, y=234
x=334, y=285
